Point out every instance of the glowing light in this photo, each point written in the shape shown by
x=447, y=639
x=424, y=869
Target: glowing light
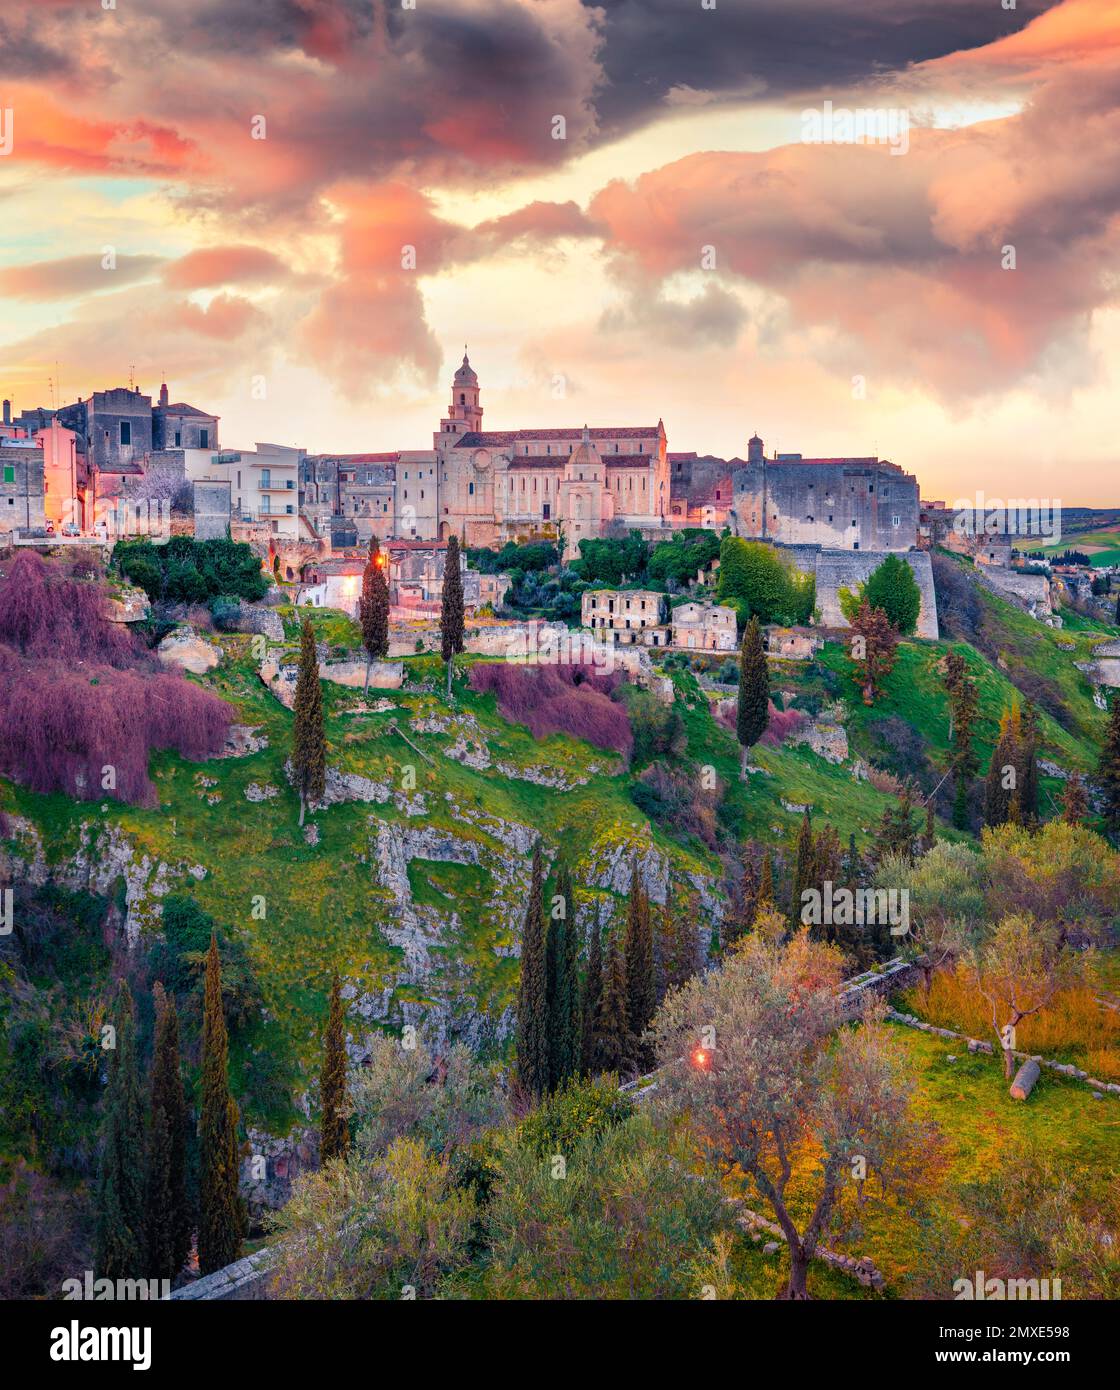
x=701, y=1058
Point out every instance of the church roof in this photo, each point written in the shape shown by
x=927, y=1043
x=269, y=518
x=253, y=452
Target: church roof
x=466, y=374
x=482, y=439
x=627, y=460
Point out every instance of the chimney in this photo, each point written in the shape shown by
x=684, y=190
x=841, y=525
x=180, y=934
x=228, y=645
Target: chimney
x=163, y=394
x=7, y=412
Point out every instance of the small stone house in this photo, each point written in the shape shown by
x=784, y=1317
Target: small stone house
x=792, y=643
x=631, y=616
x=704, y=627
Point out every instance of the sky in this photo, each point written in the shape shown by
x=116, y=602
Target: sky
x=298, y=212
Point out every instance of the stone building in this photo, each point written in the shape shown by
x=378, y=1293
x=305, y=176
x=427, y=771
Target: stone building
x=700, y=490
x=21, y=486
x=836, y=503
x=176, y=425
x=704, y=627
x=496, y=486
x=644, y=617
x=628, y=615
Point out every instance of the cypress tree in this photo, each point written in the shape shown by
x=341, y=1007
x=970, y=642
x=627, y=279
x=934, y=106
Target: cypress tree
x=741, y=913
x=853, y=865
x=563, y=984
x=119, y=1234
x=754, y=687
x=1004, y=767
x=1028, y=754
x=221, y=1216
x=803, y=868
x=641, y=987
x=373, y=608
x=614, y=1042
x=1108, y=769
x=765, y=884
x=168, y=1218
x=532, y=999
x=451, y=609
x=592, y=994
x=309, y=740
x=897, y=831
x=334, y=1138
x=1075, y=801
x=680, y=944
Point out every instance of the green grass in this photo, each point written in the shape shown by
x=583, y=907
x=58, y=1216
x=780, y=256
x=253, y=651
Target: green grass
x=323, y=906
x=979, y=1125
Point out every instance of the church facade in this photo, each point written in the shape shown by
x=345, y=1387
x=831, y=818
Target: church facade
x=496, y=486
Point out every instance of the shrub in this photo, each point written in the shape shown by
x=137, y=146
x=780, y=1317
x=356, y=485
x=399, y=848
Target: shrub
x=583, y=1109
x=756, y=575
x=89, y=733
x=659, y=730
x=568, y=698
x=46, y=611
x=189, y=571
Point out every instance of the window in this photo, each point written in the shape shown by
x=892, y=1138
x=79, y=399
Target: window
x=178, y=439
x=9, y=473
x=204, y=439
x=126, y=432
x=896, y=521
x=470, y=489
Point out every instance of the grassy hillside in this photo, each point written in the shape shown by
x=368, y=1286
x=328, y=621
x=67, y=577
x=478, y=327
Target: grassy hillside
x=309, y=903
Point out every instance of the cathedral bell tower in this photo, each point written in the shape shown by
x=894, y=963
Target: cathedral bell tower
x=465, y=413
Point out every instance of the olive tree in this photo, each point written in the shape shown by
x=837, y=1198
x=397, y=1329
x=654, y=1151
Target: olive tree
x=757, y=1063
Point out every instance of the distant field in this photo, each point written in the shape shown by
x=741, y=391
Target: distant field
x=1102, y=547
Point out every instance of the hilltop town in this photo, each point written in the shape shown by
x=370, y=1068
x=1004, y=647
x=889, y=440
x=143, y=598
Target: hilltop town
x=356, y=720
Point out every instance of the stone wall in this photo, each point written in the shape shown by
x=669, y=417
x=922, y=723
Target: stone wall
x=838, y=504
x=1030, y=591
x=837, y=569
x=244, y=1279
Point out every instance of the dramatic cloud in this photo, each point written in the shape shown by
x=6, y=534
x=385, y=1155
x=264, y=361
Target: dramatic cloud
x=71, y=276
x=225, y=265
x=664, y=51
x=908, y=259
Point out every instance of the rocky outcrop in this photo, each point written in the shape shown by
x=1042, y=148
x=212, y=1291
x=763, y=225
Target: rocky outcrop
x=828, y=740
x=128, y=605
x=242, y=740
x=184, y=649
x=281, y=678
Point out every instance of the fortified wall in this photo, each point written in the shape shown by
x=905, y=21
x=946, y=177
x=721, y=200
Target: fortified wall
x=840, y=504
x=844, y=569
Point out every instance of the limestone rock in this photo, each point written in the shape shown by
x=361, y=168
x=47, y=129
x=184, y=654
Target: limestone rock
x=189, y=652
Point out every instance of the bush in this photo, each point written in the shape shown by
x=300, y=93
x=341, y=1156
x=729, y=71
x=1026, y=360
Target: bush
x=189, y=571
x=46, y=611
x=90, y=733
x=677, y=562
x=658, y=730
x=581, y=1110
x=179, y=962
x=612, y=561
x=539, y=555
x=892, y=587
x=757, y=575
x=568, y=699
